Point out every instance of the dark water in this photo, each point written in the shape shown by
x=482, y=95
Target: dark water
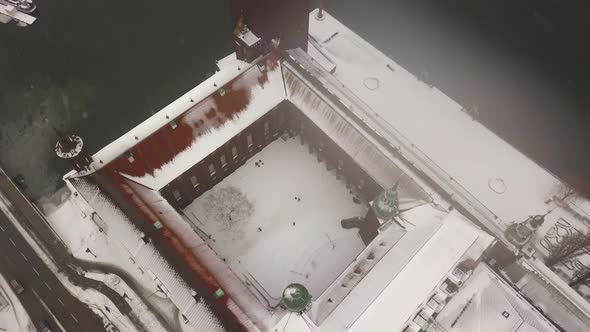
x=102, y=67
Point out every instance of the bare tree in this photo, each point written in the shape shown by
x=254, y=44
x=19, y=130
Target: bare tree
x=228, y=206
x=581, y=277
x=564, y=194
x=568, y=247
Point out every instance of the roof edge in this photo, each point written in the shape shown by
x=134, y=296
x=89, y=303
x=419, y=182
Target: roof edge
x=229, y=71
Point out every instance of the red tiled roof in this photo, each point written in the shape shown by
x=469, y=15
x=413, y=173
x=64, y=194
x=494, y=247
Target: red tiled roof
x=162, y=146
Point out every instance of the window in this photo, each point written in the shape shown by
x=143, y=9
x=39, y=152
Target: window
x=211, y=169
x=422, y=319
x=249, y=140
x=434, y=301
x=223, y=160
x=194, y=182
x=234, y=152
x=458, y=273
x=176, y=195
x=266, y=128
x=448, y=286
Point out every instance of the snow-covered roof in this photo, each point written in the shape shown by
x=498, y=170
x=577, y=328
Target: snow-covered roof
x=472, y=162
x=555, y=297
x=122, y=144
x=370, y=155
x=117, y=223
x=227, y=60
x=183, y=133
x=487, y=303
x=393, y=290
x=205, y=263
x=420, y=276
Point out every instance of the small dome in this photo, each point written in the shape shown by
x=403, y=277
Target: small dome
x=386, y=205
x=69, y=146
x=537, y=221
x=295, y=298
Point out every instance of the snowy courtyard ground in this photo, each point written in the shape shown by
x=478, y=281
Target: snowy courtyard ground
x=276, y=220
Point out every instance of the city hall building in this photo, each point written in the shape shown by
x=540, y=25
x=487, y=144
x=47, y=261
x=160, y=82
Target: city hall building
x=272, y=173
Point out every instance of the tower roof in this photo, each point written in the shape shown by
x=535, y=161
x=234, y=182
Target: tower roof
x=386, y=205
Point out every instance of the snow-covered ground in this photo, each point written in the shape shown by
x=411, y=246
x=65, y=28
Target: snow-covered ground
x=276, y=220
x=13, y=316
x=81, y=232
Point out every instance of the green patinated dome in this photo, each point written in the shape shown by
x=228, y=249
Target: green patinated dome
x=295, y=298
x=386, y=205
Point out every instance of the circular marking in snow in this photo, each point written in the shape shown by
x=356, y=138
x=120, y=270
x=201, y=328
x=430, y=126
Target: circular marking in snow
x=497, y=185
x=371, y=83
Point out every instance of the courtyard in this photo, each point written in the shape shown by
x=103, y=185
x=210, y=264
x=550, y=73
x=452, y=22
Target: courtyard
x=276, y=220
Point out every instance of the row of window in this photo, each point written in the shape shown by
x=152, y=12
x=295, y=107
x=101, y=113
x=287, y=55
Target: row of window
x=437, y=299
x=249, y=139
x=211, y=167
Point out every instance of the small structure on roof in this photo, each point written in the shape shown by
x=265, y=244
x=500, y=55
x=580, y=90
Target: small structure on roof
x=386, y=205
x=519, y=234
x=296, y=298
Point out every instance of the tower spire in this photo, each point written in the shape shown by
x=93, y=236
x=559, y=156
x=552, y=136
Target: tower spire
x=320, y=15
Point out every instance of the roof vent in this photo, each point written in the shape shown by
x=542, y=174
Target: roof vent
x=497, y=185
x=129, y=156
